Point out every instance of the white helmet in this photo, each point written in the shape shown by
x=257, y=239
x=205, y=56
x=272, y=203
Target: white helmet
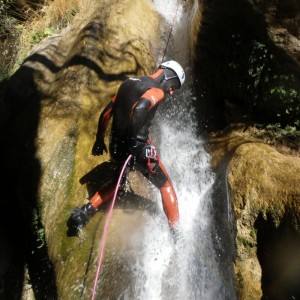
x=176, y=68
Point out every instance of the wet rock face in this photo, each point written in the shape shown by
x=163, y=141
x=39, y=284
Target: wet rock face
x=263, y=184
x=51, y=112
x=283, y=18
x=265, y=192
x=51, y=108
x=231, y=44
x=115, y=43
x=264, y=189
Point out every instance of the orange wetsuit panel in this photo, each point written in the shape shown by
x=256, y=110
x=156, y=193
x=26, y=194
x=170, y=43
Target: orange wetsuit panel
x=103, y=195
x=170, y=204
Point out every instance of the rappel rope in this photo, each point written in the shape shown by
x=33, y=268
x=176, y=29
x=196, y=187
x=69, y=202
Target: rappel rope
x=105, y=230
x=171, y=29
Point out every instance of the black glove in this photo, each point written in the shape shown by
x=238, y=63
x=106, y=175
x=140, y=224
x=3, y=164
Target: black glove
x=136, y=147
x=99, y=147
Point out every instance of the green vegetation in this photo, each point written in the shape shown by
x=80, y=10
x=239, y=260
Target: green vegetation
x=245, y=75
x=24, y=23
x=288, y=131
x=4, y=5
x=40, y=35
x=271, y=91
x=249, y=245
x=277, y=134
x=38, y=230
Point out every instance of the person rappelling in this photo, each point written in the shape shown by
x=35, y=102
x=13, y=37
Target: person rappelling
x=132, y=111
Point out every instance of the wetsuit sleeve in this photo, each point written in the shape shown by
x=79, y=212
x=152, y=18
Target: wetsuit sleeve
x=142, y=108
x=104, y=119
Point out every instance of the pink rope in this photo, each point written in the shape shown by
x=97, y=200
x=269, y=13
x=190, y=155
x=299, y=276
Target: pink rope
x=104, y=234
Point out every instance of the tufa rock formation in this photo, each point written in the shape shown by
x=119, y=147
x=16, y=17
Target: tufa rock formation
x=49, y=113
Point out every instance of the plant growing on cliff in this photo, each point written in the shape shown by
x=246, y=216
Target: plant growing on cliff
x=269, y=89
x=258, y=65
x=25, y=23
x=278, y=90
x=38, y=230
x=40, y=35
x=4, y=5
x=290, y=133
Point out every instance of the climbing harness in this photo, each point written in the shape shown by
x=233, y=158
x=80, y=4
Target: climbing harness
x=105, y=230
x=152, y=156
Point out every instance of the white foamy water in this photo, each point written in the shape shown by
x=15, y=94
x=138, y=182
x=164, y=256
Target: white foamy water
x=170, y=10
x=187, y=269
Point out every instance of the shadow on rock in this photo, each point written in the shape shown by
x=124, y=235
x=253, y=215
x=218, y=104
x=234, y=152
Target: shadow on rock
x=126, y=199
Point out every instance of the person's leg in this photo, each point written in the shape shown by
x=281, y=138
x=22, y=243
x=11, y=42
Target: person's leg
x=170, y=203
x=155, y=172
x=103, y=195
x=169, y=198
x=81, y=215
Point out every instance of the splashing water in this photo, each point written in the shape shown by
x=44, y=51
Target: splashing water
x=189, y=268
x=168, y=9
x=181, y=271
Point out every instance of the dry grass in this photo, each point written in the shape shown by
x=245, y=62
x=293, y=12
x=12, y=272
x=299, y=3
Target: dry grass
x=34, y=22
x=23, y=10
x=61, y=12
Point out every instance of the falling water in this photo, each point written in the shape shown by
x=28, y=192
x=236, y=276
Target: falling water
x=188, y=269
x=192, y=268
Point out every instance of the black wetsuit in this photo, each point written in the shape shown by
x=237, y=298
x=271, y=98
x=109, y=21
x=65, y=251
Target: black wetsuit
x=133, y=109
x=132, y=117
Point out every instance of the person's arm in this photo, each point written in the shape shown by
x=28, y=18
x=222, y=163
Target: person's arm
x=99, y=145
x=141, y=109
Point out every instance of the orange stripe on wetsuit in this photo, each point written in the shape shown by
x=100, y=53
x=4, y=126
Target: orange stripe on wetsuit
x=153, y=95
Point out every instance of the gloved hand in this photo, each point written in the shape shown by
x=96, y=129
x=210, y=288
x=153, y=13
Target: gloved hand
x=99, y=147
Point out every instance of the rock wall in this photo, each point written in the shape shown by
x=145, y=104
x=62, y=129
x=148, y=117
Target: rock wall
x=265, y=204
x=49, y=120
x=283, y=19
x=51, y=108
x=246, y=63
x=264, y=189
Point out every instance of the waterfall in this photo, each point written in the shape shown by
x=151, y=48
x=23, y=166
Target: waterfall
x=198, y=265
x=188, y=269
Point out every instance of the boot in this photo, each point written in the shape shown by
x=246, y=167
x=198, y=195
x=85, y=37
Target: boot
x=81, y=215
